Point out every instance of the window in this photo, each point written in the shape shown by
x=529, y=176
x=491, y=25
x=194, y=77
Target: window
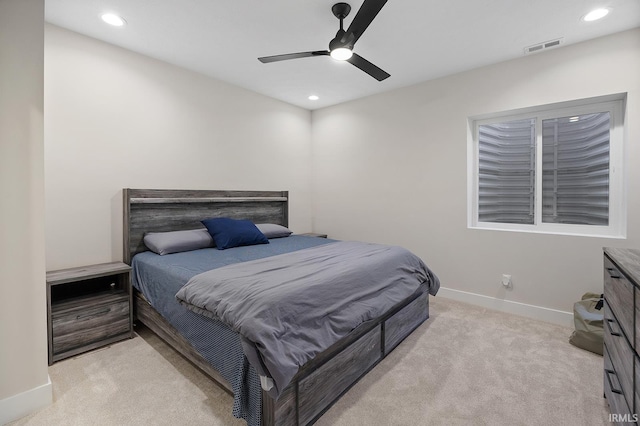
x=553, y=169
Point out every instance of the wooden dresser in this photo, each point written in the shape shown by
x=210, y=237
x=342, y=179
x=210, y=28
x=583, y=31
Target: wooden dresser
x=622, y=334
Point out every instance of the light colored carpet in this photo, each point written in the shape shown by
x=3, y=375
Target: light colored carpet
x=465, y=366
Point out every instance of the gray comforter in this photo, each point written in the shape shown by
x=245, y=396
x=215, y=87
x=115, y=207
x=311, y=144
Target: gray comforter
x=290, y=307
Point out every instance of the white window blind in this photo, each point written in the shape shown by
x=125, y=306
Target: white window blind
x=555, y=169
x=575, y=169
x=507, y=172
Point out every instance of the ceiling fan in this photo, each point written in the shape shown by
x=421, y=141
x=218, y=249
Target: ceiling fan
x=341, y=47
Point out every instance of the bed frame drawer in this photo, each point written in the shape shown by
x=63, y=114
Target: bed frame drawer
x=620, y=353
x=76, y=324
x=334, y=377
x=404, y=322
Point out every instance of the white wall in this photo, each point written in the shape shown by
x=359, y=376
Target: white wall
x=392, y=168
x=116, y=119
x=24, y=383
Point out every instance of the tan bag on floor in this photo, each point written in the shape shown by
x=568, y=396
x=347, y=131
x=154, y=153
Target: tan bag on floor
x=588, y=315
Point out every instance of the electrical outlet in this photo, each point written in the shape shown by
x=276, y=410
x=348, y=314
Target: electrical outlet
x=506, y=280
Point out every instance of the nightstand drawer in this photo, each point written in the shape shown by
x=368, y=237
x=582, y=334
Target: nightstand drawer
x=621, y=354
x=618, y=292
x=87, y=320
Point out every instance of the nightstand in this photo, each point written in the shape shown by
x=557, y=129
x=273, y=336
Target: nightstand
x=88, y=307
x=313, y=234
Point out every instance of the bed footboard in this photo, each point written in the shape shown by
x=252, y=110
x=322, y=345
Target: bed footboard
x=324, y=380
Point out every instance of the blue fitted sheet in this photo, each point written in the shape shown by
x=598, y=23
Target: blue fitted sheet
x=159, y=278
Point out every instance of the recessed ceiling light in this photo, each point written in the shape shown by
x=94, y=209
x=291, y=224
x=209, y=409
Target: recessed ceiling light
x=595, y=14
x=313, y=98
x=113, y=19
x=574, y=119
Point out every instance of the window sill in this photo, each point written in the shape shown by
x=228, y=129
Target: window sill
x=559, y=230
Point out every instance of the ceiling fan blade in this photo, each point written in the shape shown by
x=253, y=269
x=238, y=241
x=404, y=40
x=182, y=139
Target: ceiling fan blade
x=364, y=17
x=276, y=58
x=368, y=67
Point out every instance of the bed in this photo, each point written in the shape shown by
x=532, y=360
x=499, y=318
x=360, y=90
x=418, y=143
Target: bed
x=212, y=345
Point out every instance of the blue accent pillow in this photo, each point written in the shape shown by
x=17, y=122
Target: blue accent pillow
x=229, y=233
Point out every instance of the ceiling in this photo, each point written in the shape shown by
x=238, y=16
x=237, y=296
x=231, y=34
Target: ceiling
x=413, y=40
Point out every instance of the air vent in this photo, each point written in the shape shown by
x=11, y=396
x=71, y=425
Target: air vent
x=543, y=46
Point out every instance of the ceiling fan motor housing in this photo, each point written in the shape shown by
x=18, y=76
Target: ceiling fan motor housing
x=341, y=10
x=340, y=41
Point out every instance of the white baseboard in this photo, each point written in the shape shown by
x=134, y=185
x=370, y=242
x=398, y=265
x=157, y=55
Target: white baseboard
x=530, y=311
x=24, y=403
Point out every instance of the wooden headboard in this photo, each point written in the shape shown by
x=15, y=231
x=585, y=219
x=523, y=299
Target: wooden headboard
x=161, y=210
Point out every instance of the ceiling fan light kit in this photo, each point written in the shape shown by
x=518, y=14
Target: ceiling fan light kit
x=341, y=53
x=341, y=47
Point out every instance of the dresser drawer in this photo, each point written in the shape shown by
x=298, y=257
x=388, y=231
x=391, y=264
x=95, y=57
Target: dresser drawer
x=612, y=389
x=621, y=354
x=618, y=292
x=637, y=344
x=87, y=320
x=637, y=406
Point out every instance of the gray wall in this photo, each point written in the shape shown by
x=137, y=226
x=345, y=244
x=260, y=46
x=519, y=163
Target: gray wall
x=393, y=169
